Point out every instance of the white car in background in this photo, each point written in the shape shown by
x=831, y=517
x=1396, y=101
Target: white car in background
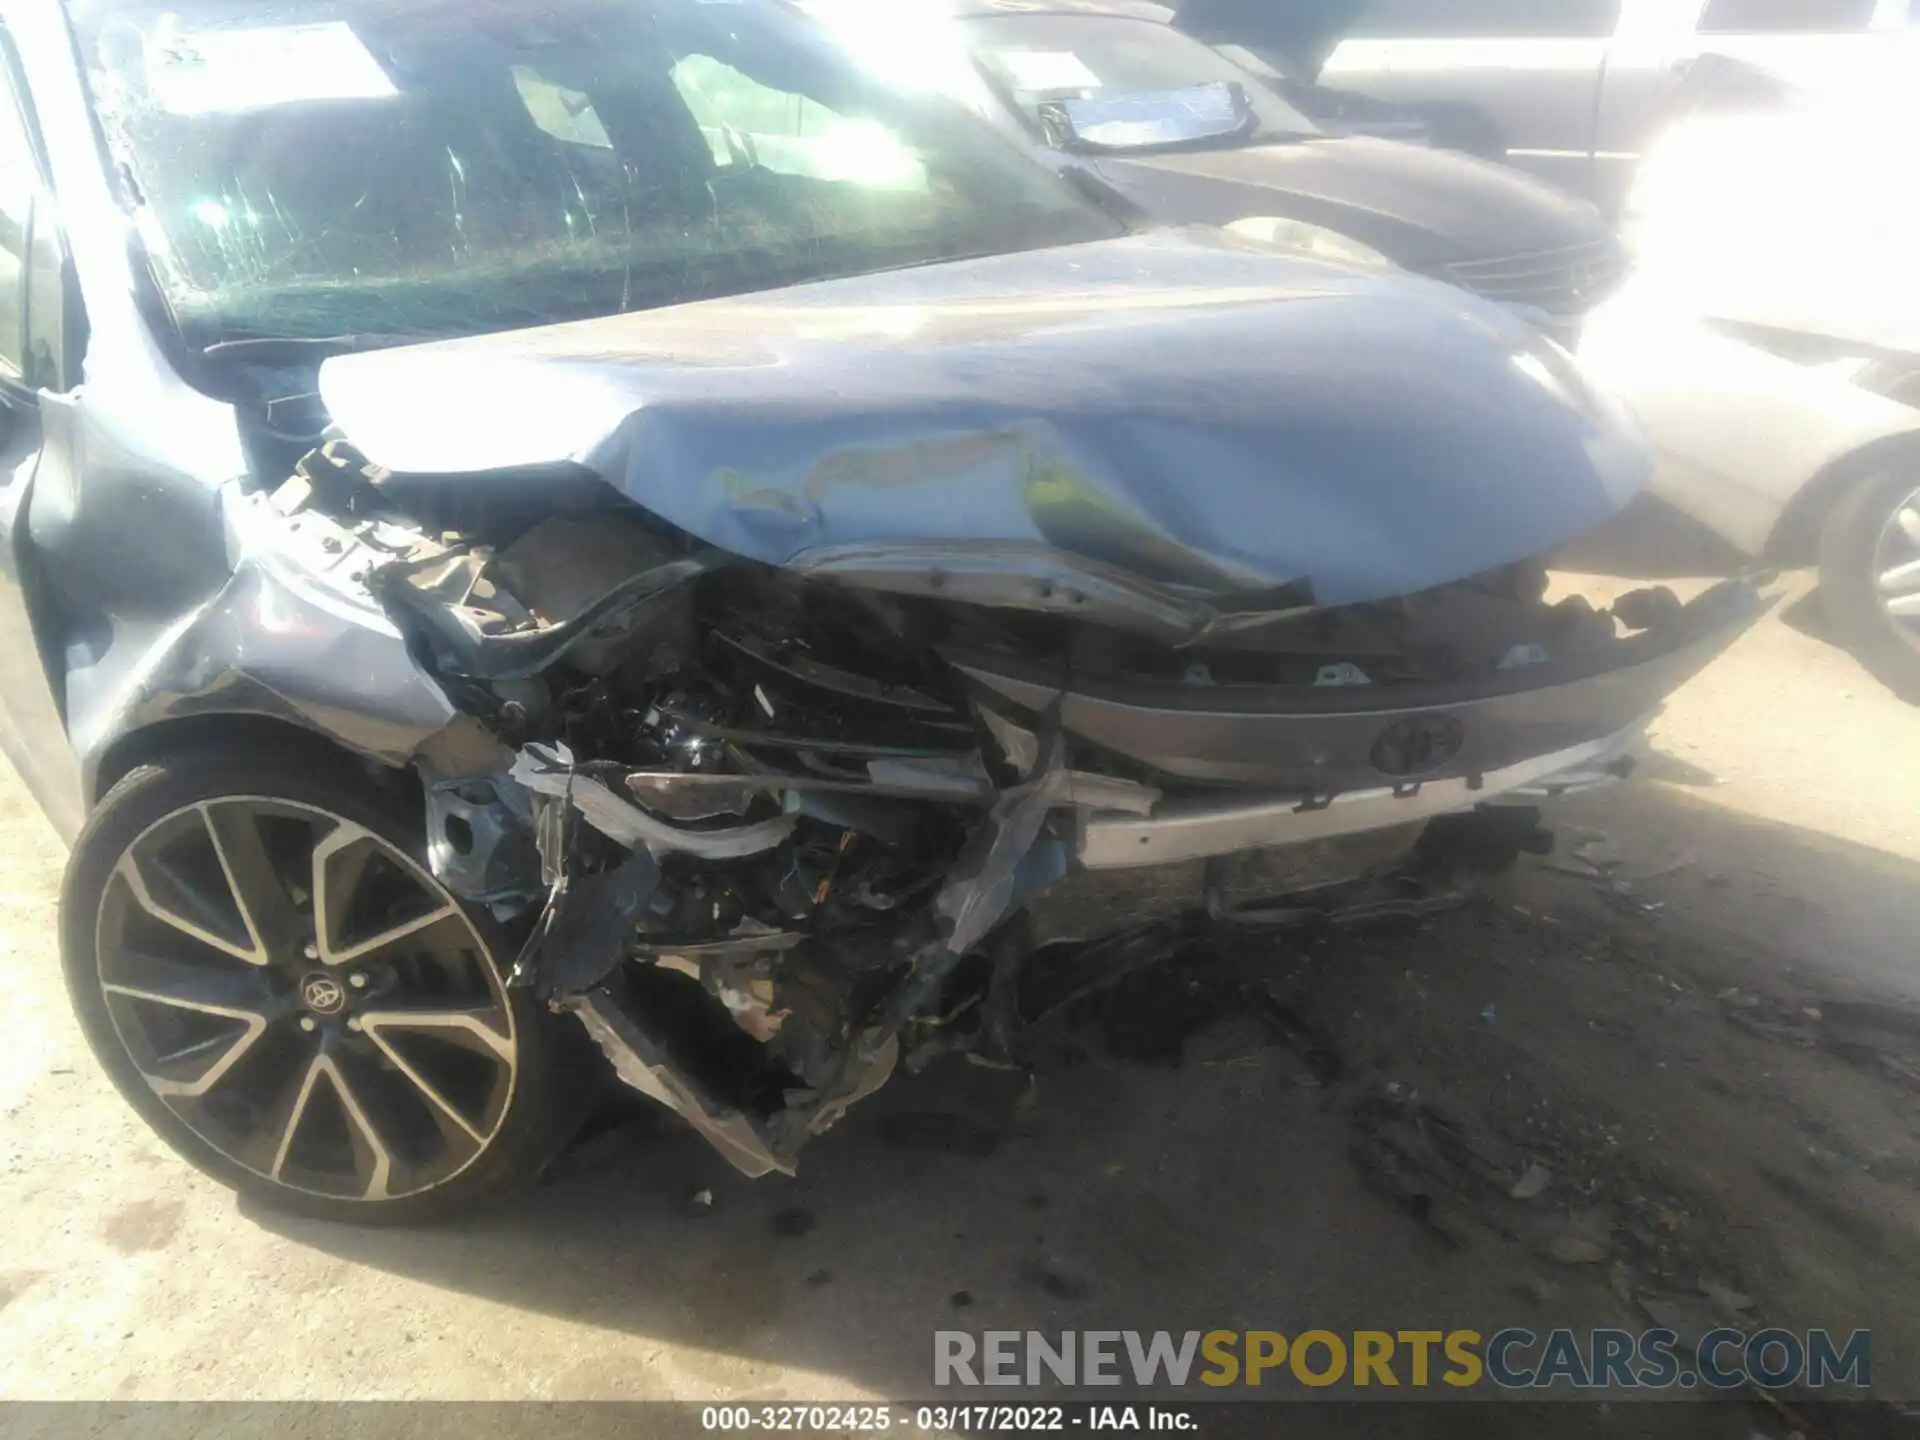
x=1576, y=90
x=1770, y=339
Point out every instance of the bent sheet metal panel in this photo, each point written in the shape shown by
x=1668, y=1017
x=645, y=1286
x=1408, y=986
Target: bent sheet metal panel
x=1314, y=741
x=1531, y=743
x=1196, y=412
x=291, y=635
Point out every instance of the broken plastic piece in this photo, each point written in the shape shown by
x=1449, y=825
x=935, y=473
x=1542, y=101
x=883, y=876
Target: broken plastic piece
x=641, y=1063
x=549, y=770
x=594, y=923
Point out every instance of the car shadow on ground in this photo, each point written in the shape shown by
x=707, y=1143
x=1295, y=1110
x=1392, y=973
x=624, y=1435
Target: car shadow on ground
x=1116, y=1194
x=1195, y=1167
x=1650, y=540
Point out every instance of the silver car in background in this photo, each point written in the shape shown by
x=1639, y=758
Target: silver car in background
x=1573, y=90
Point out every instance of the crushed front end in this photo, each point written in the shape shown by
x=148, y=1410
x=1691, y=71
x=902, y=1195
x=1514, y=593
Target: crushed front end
x=771, y=836
x=831, y=668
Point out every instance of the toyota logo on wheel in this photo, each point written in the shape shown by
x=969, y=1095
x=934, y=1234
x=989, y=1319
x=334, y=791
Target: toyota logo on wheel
x=323, y=994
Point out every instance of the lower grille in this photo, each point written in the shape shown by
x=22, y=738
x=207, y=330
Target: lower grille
x=1566, y=282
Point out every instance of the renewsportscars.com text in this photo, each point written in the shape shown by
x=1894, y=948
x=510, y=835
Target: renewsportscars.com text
x=1508, y=1359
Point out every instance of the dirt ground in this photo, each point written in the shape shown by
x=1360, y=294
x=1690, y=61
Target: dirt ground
x=1697, y=1020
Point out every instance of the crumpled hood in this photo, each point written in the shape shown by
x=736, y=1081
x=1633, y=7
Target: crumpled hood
x=1190, y=411
x=1423, y=208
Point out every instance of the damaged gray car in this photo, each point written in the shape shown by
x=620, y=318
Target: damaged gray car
x=552, y=543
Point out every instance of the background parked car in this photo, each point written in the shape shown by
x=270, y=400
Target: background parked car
x=1770, y=340
x=1192, y=136
x=1571, y=89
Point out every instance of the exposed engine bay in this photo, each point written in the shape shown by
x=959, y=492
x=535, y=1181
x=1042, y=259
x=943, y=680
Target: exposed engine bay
x=770, y=836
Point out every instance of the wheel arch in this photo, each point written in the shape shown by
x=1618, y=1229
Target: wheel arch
x=251, y=729
x=1795, y=540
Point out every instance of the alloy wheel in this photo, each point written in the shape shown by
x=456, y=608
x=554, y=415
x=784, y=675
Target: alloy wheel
x=1896, y=565
x=306, y=998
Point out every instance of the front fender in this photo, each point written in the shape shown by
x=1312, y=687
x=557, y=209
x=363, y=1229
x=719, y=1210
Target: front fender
x=294, y=637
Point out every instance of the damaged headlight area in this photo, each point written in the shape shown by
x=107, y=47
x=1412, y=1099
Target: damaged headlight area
x=771, y=835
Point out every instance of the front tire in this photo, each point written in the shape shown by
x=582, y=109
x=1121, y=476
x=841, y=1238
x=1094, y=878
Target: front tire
x=1870, y=577
x=262, y=962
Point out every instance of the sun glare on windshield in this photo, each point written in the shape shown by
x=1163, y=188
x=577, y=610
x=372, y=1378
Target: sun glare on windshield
x=214, y=72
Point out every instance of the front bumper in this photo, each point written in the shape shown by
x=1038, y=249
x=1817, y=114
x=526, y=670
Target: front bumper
x=1200, y=832
x=1330, y=762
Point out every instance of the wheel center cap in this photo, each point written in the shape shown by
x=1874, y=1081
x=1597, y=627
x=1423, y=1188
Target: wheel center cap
x=323, y=994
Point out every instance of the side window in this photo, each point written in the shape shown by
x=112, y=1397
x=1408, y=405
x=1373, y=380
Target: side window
x=1786, y=17
x=32, y=259
x=19, y=188
x=1487, y=19
x=751, y=126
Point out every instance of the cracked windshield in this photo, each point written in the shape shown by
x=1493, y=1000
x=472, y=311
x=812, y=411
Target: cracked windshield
x=423, y=169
